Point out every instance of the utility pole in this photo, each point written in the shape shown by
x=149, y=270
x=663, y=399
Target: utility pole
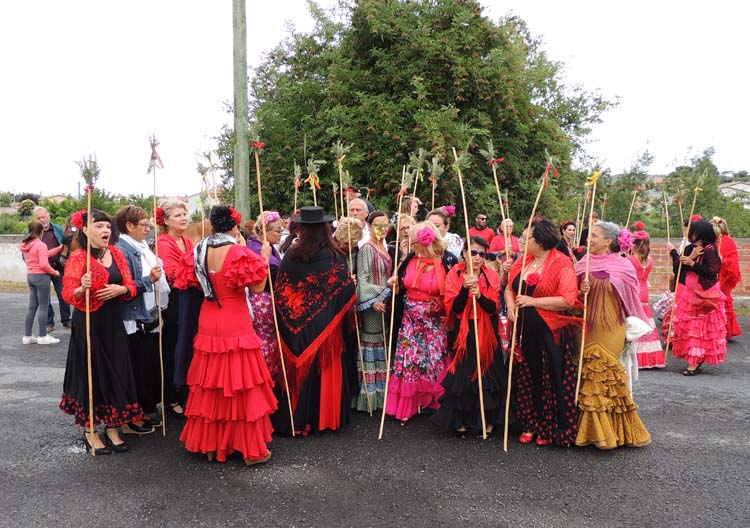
x=241, y=146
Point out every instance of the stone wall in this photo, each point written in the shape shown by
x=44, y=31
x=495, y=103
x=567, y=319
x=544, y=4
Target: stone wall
x=12, y=267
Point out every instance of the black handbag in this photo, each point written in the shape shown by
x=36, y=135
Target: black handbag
x=146, y=325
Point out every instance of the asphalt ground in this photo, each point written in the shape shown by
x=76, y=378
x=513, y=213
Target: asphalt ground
x=696, y=473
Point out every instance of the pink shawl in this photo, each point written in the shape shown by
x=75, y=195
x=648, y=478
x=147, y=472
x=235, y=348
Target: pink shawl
x=622, y=277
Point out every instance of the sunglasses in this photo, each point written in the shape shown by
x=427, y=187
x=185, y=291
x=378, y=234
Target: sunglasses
x=485, y=255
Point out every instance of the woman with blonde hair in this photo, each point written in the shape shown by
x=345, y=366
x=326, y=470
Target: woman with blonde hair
x=729, y=275
x=260, y=302
x=421, y=347
x=172, y=220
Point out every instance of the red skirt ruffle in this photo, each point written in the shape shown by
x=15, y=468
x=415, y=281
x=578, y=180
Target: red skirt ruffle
x=231, y=398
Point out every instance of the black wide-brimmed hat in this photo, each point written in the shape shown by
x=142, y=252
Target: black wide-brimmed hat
x=312, y=215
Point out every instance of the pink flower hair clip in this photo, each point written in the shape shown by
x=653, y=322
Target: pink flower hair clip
x=426, y=236
x=449, y=210
x=625, y=240
x=642, y=235
x=270, y=217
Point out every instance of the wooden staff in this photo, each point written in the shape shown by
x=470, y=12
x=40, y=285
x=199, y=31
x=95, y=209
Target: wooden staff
x=677, y=278
x=586, y=199
x=89, y=369
x=592, y=181
x=154, y=159
x=515, y=318
x=356, y=321
x=270, y=287
x=493, y=163
x=666, y=213
x=632, y=203
x=578, y=220
x=297, y=183
x=604, y=204
x=394, y=280
x=335, y=201
x=473, y=298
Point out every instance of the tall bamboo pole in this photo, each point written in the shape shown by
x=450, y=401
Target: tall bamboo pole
x=594, y=178
x=677, y=278
x=506, y=235
x=394, y=286
x=89, y=369
x=515, y=317
x=470, y=264
x=270, y=287
x=158, y=309
x=632, y=203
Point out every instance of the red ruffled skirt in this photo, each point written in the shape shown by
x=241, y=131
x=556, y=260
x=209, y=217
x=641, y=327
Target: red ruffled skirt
x=699, y=336
x=231, y=398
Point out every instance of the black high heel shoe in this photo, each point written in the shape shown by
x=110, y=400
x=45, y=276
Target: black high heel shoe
x=117, y=448
x=99, y=450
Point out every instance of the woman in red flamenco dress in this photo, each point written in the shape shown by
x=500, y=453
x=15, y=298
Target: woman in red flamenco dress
x=231, y=390
x=729, y=276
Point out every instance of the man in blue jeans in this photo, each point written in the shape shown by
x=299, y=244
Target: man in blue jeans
x=52, y=235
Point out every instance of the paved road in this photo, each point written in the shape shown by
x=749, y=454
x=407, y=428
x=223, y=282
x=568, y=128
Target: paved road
x=695, y=474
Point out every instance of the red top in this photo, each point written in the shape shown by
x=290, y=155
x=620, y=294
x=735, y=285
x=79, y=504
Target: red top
x=487, y=233
x=422, y=284
x=76, y=268
x=642, y=272
x=498, y=244
x=171, y=253
x=729, y=275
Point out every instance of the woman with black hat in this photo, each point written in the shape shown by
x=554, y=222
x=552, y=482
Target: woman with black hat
x=314, y=293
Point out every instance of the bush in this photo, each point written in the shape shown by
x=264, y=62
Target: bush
x=26, y=208
x=12, y=225
x=5, y=199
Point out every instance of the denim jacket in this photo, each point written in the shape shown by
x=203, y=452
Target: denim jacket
x=136, y=309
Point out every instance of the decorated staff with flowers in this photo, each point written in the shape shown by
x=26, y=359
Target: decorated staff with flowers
x=420, y=357
x=608, y=417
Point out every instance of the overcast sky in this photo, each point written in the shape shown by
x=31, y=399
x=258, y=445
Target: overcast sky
x=100, y=76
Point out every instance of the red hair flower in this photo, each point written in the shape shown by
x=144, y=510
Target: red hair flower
x=426, y=236
x=77, y=219
x=258, y=144
x=237, y=217
x=449, y=210
x=159, y=216
x=641, y=235
x=695, y=218
x=640, y=226
x=532, y=279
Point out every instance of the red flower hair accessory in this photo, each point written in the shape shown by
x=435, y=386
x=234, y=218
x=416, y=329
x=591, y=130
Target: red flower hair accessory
x=77, y=219
x=449, y=210
x=640, y=226
x=159, y=216
x=426, y=236
x=695, y=218
x=642, y=235
x=533, y=279
x=237, y=217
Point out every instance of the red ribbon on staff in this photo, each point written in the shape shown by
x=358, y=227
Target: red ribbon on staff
x=546, y=172
x=258, y=144
x=313, y=180
x=492, y=161
x=402, y=191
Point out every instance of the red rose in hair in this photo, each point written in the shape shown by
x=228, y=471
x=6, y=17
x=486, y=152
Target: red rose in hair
x=77, y=219
x=533, y=279
x=640, y=226
x=237, y=217
x=159, y=216
x=695, y=218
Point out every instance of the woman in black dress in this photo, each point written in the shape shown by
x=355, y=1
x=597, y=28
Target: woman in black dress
x=110, y=283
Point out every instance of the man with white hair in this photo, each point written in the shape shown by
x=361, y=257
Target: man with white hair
x=358, y=209
x=52, y=236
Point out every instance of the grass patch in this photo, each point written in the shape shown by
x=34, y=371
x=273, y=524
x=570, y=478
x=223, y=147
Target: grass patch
x=13, y=287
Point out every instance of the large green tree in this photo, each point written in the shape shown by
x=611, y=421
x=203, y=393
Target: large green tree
x=391, y=77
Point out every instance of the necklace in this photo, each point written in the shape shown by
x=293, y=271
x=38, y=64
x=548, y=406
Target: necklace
x=537, y=263
x=103, y=255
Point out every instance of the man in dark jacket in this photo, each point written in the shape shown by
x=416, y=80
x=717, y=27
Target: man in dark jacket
x=52, y=235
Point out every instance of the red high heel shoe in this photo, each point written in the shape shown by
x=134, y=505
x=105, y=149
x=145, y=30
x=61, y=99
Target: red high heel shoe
x=526, y=438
